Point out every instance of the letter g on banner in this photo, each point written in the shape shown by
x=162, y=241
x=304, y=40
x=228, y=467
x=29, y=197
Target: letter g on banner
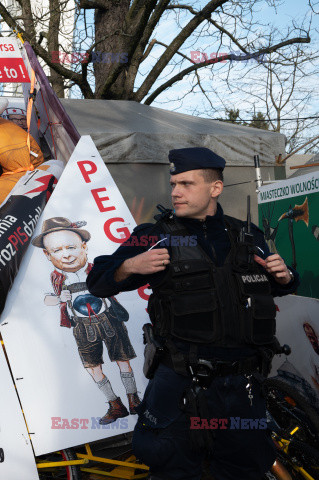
x=117, y=239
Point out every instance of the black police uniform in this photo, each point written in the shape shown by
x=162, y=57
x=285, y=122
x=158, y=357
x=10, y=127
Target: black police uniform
x=237, y=421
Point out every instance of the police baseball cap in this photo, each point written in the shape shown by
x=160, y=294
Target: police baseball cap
x=185, y=159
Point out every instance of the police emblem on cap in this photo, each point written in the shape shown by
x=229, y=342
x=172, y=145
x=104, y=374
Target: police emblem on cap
x=172, y=167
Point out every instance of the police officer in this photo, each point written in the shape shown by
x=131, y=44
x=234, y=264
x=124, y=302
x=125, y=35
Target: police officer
x=213, y=280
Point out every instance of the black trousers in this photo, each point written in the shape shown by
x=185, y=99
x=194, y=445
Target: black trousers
x=242, y=446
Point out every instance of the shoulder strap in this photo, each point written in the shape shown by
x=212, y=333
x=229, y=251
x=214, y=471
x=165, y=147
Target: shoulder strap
x=172, y=226
x=233, y=225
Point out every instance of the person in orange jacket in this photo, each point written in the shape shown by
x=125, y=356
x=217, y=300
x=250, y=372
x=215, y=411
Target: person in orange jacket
x=15, y=157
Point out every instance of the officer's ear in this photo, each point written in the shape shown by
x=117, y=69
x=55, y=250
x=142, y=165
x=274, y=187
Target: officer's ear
x=84, y=246
x=216, y=188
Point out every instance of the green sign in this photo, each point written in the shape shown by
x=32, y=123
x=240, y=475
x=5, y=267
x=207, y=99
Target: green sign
x=289, y=216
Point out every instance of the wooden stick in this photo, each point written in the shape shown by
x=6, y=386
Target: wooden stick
x=282, y=160
x=305, y=166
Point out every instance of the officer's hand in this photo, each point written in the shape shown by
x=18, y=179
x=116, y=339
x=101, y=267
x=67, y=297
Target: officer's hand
x=153, y=261
x=65, y=296
x=276, y=266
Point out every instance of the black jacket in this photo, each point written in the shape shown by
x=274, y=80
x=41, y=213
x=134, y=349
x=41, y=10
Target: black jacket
x=209, y=233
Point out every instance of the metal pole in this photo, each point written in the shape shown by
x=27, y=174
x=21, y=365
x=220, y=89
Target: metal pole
x=259, y=181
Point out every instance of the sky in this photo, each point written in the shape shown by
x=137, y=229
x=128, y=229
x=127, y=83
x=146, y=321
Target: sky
x=247, y=76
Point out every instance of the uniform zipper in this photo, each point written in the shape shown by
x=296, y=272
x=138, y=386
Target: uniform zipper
x=205, y=229
x=209, y=243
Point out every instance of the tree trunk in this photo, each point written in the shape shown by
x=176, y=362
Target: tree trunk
x=56, y=80
x=111, y=48
x=57, y=83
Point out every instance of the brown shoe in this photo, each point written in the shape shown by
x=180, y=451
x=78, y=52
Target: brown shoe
x=115, y=411
x=133, y=402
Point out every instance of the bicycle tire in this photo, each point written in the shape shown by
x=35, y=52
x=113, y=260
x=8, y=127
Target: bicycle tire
x=307, y=455
x=289, y=461
x=1, y=455
x=69, y=472
x=289, y=409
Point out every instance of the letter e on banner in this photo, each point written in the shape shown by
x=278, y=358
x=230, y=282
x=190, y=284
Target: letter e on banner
x=99, y=200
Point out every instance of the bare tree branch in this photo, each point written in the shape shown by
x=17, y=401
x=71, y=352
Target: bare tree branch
x=195, y=67
x=138, y=56
x=200, y=17
x=182, y=7
x=39, y=50
x=135, y=22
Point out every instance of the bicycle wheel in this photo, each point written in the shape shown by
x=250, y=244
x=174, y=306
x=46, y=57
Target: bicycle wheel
x=69, y=472
x=289, y=409
x=284, y=467
x=305, y=455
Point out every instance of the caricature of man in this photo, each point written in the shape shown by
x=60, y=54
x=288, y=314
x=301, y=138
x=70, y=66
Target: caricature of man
x=95, y=320
x=314, y=359
x=16, y=115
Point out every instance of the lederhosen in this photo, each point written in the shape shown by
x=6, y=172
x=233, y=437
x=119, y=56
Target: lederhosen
x=93, y=318
x=92, y=329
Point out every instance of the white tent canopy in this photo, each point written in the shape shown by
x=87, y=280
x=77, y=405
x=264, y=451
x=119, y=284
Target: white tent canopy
x=130, y=132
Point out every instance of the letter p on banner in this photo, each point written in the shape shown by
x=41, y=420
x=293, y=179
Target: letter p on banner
x=87, y=168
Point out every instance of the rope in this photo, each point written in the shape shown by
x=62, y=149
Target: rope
x=18, y=170
x=29, y=108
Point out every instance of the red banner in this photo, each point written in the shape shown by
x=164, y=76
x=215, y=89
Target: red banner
x=13, y=70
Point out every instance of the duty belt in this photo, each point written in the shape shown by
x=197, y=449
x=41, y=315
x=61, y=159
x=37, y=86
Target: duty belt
x=216, y=368
x=219, y=368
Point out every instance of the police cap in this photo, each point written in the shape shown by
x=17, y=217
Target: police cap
x=185, y=159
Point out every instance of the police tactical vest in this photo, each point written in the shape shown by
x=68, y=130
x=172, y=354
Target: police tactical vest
x=199, y=302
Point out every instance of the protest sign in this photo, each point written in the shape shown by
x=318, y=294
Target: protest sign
x=16, y=456
x=12, y=67
x=19, y=214
x=49, y=314
x=298, y=327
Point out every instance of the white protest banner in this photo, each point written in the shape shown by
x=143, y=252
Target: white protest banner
x=74, y=352
x=12, y=67
x=298, y=327
x=16, y=456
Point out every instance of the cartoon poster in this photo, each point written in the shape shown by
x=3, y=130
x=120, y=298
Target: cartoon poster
x=16, y=456
x=298, y=327
x=79, y=357
x=289, y=216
